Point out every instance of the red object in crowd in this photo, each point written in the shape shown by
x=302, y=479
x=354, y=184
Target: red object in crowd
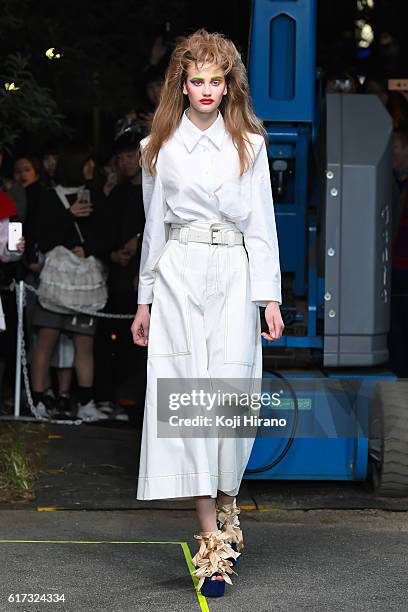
x=7, y=206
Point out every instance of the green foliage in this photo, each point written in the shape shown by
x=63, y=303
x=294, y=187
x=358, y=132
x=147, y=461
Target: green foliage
x=16, y=472
x=28, y=107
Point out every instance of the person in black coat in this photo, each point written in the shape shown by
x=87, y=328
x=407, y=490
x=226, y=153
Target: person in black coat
x=120, y=373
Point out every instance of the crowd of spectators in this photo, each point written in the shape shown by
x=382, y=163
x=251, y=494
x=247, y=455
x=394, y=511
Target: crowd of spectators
x=80, y=365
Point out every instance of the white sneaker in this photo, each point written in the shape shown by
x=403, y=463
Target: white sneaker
x=89, y=412
x=40, y=411
x=106, y=407
x=120, y=414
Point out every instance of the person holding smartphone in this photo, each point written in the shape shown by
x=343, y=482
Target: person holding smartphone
x=73, y=217
x=120, y=366
x=12, y=246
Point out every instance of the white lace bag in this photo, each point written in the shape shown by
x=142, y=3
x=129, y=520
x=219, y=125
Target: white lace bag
x=70, y=283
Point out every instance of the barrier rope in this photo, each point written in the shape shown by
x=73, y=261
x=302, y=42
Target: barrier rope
x=24, y=365
x=93, y=313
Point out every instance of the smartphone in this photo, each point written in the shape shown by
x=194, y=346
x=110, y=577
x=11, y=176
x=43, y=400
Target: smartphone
x=15, y=233
x=85, y=196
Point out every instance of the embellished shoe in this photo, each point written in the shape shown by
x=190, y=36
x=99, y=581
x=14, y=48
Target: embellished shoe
x=228, y=522
x=213, y=559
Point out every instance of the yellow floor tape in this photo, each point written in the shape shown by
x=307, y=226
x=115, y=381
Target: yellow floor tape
x=185, y=548
x=47, y=509
x=55, y=508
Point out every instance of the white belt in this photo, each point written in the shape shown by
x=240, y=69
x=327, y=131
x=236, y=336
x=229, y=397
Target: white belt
x=211, y=236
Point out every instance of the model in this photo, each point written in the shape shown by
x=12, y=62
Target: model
x=209, y=258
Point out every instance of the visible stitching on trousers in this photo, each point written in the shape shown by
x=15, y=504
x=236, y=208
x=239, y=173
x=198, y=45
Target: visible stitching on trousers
x=187, y=304
x=226, y=337
x=187, y=474
x=187, y=315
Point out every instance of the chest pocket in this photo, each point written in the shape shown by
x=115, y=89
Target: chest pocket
x=234, y=199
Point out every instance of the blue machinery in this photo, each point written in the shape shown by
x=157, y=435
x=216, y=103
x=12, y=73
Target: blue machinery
x=330, y=161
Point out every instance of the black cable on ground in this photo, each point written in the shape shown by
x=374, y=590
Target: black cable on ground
x=292, y=433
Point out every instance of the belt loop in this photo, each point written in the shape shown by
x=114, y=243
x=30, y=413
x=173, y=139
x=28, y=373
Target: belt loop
x=183, y=238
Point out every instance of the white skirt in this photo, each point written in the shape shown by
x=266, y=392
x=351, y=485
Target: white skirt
x=203, y=325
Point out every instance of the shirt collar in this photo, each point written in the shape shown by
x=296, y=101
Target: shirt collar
x=191, y=134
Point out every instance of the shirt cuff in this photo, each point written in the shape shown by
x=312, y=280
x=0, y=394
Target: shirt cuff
x=145, y=294
x=264, y=292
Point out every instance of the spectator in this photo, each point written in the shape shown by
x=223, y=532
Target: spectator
x=49, y=163
x=111, y=175
x=121, y=365
x=14, y=189
x=139, y=121
x=27, y=172
x=12, y=270
x=57, y=226
x=8, y=209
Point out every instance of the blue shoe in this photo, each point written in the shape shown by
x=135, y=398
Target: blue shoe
x=213, y=559
x=213, y=588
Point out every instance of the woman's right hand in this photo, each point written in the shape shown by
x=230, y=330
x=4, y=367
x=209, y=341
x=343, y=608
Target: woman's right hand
x=21, y=245
x=81, y=209
x=140, y=325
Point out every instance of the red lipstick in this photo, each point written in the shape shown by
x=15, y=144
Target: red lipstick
x=206, y=101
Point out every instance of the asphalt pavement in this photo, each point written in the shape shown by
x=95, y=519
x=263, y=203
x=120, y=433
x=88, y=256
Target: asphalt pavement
x=140, y=560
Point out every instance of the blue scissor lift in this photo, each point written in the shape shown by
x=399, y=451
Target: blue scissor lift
x=331, y=169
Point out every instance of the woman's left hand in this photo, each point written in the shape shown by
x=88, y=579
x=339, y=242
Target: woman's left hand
x=79, y=251
x=274, y=320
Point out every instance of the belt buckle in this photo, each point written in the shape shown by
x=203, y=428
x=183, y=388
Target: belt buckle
x=212, y=235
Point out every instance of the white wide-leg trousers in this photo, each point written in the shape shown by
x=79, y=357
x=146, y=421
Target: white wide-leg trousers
x=202, y=325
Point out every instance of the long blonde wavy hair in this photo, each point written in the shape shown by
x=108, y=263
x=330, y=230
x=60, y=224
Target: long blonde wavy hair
x=201, y=48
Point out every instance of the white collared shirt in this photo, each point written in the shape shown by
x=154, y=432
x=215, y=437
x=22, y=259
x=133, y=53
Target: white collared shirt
x=197, y=178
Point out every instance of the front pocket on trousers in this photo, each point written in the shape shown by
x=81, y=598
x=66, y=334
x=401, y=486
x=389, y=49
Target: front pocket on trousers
x=159, y=257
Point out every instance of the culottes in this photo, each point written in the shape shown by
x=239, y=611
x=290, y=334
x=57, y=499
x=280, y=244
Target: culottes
x=203, y=324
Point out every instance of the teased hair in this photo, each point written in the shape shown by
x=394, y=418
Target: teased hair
x=201, y=48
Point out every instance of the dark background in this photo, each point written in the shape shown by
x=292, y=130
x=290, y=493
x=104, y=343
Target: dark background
x=106, y=44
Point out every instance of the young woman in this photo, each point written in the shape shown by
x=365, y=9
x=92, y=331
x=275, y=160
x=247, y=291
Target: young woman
x=206, y=188
x=30, y=175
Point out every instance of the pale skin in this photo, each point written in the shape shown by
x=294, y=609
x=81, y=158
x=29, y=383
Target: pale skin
x=206, y=83
x=24, y=172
